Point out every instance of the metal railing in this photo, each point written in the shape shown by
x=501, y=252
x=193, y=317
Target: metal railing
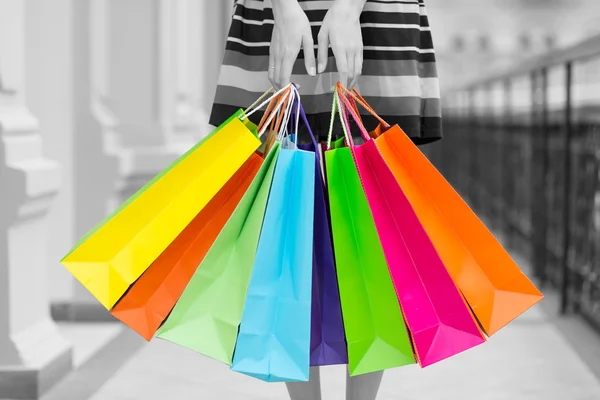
x=524, y=148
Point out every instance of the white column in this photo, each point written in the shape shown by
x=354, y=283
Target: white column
x=73, y=128
x=124, y=95
x=137, y=100
x=58, y=94
x=199, y=37
x=33, y=355
x=185, y=25
x=95, y=171
x=216, y=19
x=133, y=86
x=49, y=97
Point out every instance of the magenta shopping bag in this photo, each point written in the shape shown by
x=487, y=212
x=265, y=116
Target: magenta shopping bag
x=437, y=316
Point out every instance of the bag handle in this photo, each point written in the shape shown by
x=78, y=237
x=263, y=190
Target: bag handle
x=336, y=108
x=360, y=100
x=276, y=133
x=297, y=114
x=273, y=129
x=259, y=100
x=334, y=111
x=339, y=107
x=355, y=108
x=302, y=114
x=284, y=92
x=285, y=97
x=267, y=112
x=289, y=112
x=270, y=137
x=347, y=106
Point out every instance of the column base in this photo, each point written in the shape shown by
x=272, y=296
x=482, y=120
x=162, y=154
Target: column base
x=47, y=359
x=80, y=312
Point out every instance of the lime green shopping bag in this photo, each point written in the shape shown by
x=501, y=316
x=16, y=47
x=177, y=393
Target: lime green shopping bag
x=375, y=330
x=207, y=316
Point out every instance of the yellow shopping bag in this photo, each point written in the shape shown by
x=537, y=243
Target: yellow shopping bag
x=109, y=259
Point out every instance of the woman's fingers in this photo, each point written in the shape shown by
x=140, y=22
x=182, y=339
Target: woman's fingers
x=276, y=55
x=272, y=66
x=289, y=28
x=284, y=72
x=323, y=51
x=341, y=61
x=342, y=67
x=285, y=47
x=308, y=46
x=357, y=70
x=350, y=61
x=277, y=71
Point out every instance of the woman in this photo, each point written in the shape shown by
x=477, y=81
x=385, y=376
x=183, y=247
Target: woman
x=383, y=47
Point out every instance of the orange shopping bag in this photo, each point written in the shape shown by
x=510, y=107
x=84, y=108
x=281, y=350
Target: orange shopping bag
x=152, y=297
x=489, y=279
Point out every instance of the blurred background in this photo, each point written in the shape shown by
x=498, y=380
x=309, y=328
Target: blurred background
x=98, y=96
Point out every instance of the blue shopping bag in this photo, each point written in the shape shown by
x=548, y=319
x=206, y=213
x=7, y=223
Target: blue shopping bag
x=274, y=338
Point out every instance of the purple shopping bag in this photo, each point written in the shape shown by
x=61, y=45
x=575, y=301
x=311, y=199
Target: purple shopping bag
x=328, y=339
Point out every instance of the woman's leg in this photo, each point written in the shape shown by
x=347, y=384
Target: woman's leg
x=363, y=387
x=310, y=390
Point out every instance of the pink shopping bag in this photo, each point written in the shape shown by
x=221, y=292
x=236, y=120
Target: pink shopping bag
x=437, y=316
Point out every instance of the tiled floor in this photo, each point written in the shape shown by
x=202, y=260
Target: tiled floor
x=529, y=360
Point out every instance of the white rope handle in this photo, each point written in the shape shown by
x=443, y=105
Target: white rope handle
x=286, y=117
x=273, y=114
x=264, y=103
x=297, y=114
x=295, y=96
x=261, y=98
x=334, y=110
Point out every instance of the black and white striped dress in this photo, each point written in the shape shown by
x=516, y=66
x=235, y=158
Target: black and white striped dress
x=399, y=72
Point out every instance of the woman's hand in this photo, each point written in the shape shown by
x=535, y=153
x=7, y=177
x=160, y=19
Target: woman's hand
x=290, y=32
x=341, y=29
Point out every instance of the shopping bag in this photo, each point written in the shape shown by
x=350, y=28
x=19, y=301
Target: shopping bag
x=375, y=330
x=146, y=305
x=439, y=320
x=152, y=297
x=251, y=126
x=207, y=316
x=116, y=253
x=489, y=279
x=327, y=339
x=208, y=313
x=274, y=338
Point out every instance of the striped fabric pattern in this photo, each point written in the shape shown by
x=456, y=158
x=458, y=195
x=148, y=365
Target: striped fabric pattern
x=399, y=77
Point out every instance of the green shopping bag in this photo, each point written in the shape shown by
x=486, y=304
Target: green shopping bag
x=207, y=316
x=375, y=330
